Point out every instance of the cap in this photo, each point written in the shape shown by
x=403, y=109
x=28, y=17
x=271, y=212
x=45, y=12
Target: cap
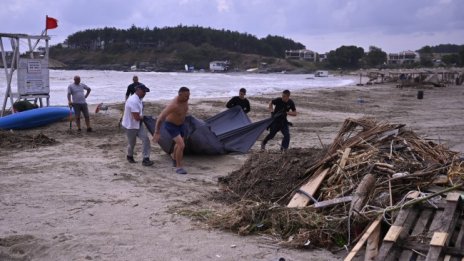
x=143, y=87
x=243, y=90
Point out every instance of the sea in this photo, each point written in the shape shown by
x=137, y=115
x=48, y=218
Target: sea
x=111, y=86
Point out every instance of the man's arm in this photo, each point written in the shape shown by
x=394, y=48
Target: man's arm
x=292, y=111
x=247, y=106
x=230, y=103
x=270, y=107
x=136, y=116
x=128, y=92
x=69, y=99
x=160, y=120
x=88, y=92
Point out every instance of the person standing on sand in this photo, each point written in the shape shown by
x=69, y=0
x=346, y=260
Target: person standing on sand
x=132, y=121
x=282, y=109
x=76, y=99
x=131, y=87
x=130, y=91
x=172, y=119
x=240, y=100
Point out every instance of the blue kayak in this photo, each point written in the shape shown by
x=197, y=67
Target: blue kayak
x=33, y=118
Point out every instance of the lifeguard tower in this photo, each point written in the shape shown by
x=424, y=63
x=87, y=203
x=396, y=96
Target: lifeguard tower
x=30, y=69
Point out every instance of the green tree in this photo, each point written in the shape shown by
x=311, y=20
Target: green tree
x=450, y=59
x=461, y=56
x=426, y=56
x=375, y=57
x=345, y=57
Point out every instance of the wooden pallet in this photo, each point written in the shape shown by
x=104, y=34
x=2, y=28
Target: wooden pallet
x=423, y=232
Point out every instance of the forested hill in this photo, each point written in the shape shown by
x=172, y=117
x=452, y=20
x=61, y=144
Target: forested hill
x=140, y=38
x=167, y=47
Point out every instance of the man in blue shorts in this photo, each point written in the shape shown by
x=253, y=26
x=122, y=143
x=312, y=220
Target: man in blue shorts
x=173, y=117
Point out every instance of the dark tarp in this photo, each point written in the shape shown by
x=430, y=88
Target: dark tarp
x=227, y=132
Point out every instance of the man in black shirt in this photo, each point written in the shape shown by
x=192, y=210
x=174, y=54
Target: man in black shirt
x=240, y=100
x=283, y=106
x=131, y=87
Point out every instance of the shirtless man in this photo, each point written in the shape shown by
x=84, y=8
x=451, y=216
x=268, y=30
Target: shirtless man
x=173, y=117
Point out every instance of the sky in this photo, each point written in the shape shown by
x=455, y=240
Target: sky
x=320, y=25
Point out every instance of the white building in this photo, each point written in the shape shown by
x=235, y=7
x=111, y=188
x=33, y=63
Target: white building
x=405, y=57
x=302, y=54
x=219, y=66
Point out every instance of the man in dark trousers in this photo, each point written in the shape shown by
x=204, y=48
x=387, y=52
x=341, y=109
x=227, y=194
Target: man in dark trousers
x=240, y=100
x=131, y=87
x=283, y=106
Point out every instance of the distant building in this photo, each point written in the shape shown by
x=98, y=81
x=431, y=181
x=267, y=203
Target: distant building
x=302, y=54
x=322, y=57
x=219, y=66
x=405, y=57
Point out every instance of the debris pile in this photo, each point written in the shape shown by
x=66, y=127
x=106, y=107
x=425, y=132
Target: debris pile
x=17, y=140
x=328, y=198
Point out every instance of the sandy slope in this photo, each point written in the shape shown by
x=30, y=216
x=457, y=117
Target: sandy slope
x=81, y=200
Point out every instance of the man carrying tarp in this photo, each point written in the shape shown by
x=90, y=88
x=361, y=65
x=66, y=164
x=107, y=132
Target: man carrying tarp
x=279, y=113
x=132, y=122
x=240, y=100
x=172, y=119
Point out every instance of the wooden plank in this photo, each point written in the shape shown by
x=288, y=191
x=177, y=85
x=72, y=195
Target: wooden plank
x=405, y=219
x=300, y=200
x=439, y=239
x=436, y=223
x=393, y=233
x=441, y=179
x=459, y=240
x=422, y=222
x=345, y=155
x=372, y=247
x=419, y=227
x=453, y=197
x=454, y=251
x=331, y=202
x=365, y=236
x=445, y=224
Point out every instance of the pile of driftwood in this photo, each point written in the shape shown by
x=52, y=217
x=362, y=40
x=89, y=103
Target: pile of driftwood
x=368, y=172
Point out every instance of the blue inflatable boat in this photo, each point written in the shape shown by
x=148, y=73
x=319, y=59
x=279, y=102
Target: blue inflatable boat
x=33, y=118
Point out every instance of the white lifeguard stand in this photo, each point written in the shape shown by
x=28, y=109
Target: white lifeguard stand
x=33, y=82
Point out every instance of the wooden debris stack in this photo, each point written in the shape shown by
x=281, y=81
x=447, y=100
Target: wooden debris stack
x=397, y=158
x=364, y=178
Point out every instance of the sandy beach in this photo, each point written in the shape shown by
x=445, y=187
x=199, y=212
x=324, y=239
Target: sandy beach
x=79, y=199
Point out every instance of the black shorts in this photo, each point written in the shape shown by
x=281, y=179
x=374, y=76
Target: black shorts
x=81, y=107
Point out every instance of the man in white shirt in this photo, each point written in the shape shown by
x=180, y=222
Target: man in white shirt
x=132, y=122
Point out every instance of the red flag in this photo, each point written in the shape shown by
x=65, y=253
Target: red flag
x=51, y=23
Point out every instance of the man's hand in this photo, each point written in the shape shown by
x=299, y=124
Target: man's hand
x=156, y=137
x=70, y=104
